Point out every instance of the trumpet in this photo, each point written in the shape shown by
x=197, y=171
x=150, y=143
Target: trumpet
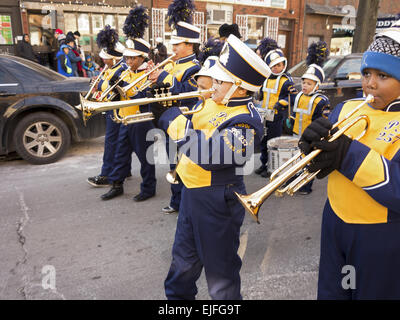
x=253, y=202
x=95, y=82
x=122, y=91
x=90, y=108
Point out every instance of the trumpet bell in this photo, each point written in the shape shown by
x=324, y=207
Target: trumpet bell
x=249, y=204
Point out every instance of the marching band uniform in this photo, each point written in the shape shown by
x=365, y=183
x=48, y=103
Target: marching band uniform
x=277, y=87
x=360, y=226
x=132, y=137
x=309, y=107
x=210, y=216
x=113, y=51
x=180, y=77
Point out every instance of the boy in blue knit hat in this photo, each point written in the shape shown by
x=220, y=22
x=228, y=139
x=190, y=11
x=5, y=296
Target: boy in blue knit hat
x=360, y=241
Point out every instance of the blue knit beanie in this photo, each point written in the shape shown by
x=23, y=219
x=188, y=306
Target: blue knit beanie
x=383, y=54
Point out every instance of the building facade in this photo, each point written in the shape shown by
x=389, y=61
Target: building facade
x=334, y=21
x=281, y=20
x=294, y=24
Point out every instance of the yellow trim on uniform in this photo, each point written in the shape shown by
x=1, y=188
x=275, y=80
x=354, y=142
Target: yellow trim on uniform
x=177, y=128
x=192, y=175
x=348, y=200
x=129, y=78
x=372, y=167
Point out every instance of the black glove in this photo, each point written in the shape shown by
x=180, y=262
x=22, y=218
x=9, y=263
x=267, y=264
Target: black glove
x=317, y=130
x=331, y=157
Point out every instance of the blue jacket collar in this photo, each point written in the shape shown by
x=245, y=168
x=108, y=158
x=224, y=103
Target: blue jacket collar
x=394, y=106
x=235, y=102
x=186, y=59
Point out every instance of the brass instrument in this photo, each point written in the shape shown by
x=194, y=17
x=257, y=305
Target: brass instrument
x=94, y=84
x=90, y=108
x=122, y=91
x=254, y=201
x=110, y=88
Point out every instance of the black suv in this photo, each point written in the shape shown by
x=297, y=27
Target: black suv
x=342, y=77
x=38, y=118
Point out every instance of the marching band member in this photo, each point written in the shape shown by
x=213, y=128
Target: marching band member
x=111, y=52
x=185, y=40
x=132, y=137
x=208, y=56
x=216, y=143
x=310, y=103
x=360, y=224
x=278, y=86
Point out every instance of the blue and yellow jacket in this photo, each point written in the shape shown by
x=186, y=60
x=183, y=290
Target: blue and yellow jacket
x=112, y=75
x=180, y=77
x=215, y=142
x=131, y=93
x=366, y=189
x=277, y=88
x=307, y=108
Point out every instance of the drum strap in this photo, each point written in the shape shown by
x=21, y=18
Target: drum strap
x=270, y=91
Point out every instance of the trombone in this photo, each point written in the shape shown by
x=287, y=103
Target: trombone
x=253, y=202
x=111, y=88
x=95, y=82
x=122, y=91
x=90, y=108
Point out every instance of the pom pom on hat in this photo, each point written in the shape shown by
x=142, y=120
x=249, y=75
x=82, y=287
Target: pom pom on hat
x=136, y=22
x=180, y=10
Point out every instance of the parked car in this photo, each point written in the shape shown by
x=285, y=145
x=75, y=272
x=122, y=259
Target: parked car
x=38, y=118
x=342, y=77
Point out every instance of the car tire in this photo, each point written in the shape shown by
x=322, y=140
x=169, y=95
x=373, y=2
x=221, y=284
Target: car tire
x=41, y=138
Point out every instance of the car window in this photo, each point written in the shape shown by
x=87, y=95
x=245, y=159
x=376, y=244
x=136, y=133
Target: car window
x=329, y=65
x=349, y=66
x=24, y=69
x=298, y=70
x=6, y=77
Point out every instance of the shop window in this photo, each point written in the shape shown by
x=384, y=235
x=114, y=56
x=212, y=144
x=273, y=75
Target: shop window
x=121, y=22
x=83, y=23
x=97, y=23
x=5, y=30
x=109, y=19
x=70, y=22
x=39, y=29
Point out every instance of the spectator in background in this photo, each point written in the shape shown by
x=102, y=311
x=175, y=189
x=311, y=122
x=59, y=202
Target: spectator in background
x=60, y=36
x=63, y=63
x=74, y=56
x=90, y=66
x=24, y=49
x=160, y=51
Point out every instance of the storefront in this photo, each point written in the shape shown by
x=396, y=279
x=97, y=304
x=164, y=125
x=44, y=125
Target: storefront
x=10, y=25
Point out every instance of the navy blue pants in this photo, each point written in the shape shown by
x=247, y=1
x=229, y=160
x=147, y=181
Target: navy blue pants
x=132, y=138
x=176, y=189
x=373, y=250
x=110, y=144
x=274, y=129
x=207, y=235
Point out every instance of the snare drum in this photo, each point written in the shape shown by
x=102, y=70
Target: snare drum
x=280, y=150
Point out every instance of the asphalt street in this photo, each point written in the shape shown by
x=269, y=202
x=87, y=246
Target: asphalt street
x=59, y=240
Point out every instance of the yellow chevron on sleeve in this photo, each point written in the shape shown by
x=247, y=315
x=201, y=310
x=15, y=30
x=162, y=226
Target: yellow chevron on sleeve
x=371, y=171
x=192, y=175
x=283, y=102
x=168, y=79
x=177, y=128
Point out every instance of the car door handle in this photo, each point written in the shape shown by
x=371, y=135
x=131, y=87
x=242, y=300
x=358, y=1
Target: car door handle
x=5, y=93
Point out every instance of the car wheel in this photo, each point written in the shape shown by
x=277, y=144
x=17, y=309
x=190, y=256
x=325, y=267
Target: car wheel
x=41, y=138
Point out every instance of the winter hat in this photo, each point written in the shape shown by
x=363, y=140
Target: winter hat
x=384, y=53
